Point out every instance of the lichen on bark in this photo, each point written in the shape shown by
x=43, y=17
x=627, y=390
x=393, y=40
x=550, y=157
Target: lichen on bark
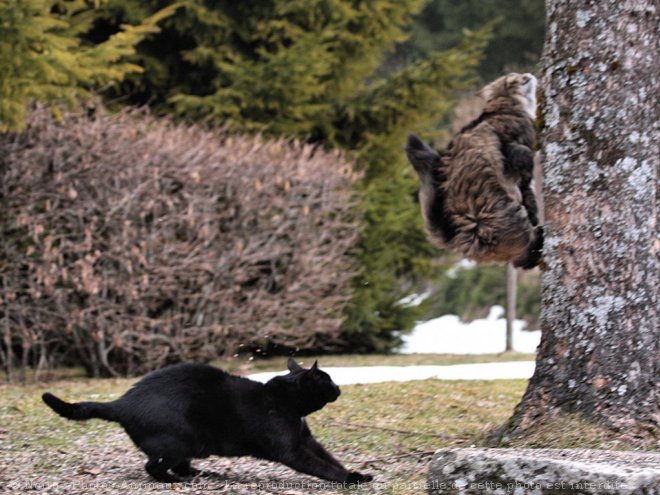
x=599, y=350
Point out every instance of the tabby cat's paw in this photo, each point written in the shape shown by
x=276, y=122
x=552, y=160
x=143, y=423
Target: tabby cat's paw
x=355, y=477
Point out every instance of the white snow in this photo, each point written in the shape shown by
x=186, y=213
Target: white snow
x=377, y=374
x=413, y=299
x=448, y=335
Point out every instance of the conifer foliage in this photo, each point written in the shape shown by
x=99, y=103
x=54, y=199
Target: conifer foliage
x=43, y=58
x=308, y=68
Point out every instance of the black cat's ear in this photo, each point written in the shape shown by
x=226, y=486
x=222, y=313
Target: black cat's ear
x=292, y=365
x=315, y=366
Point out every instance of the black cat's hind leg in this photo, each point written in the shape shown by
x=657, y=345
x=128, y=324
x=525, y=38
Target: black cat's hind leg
x=165, y=452
x=158, y=468
x=185, y=469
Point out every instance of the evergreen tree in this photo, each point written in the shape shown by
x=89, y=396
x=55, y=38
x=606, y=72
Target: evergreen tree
x=306, y=68
x=517, y=38
x=43, y=58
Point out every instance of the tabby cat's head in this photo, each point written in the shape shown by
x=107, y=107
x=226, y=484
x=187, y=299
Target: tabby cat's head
x=520, y=88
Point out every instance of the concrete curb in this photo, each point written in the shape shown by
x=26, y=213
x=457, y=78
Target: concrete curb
x=543, y=472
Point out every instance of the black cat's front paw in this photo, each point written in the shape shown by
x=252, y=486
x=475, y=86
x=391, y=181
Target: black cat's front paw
x=188, y=472
x=355, y=477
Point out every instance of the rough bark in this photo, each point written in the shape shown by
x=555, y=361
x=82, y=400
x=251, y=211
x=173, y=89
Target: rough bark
x=599, y=139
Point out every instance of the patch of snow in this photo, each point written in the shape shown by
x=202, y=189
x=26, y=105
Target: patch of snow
x=378, y=374
x=448, y=335
x=463, y=264
x=413, y=299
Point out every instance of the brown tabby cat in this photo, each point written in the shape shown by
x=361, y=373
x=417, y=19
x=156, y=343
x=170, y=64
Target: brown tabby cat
x=476, y=196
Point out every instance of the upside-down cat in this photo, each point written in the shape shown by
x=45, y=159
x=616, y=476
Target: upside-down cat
x=476, y=196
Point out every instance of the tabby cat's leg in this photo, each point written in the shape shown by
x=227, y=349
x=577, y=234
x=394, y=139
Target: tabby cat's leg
x=534, y=253
x=519, y=163
x=518, y=160
x=529, y=202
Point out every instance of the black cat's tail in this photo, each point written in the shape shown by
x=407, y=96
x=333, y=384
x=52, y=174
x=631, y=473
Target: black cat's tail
x=80, y=410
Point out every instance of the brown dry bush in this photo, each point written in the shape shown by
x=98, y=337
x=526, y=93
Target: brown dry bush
x=130, y=242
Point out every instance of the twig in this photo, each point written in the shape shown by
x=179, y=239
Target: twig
x=425, y=453
x=392, y=430
x=182, y=244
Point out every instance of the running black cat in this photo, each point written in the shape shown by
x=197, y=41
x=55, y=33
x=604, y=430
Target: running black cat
x=191, y=411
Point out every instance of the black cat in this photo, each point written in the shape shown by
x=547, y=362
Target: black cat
x=191, y=411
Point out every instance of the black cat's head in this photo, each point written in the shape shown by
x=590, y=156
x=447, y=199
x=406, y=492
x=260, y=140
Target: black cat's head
x=306, y=390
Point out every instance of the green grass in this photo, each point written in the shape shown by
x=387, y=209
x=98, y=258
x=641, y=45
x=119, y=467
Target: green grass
x=33, y=423
x=396, y=427
x=419, y=416
x=387, y=429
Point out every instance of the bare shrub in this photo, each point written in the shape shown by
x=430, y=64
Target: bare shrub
x=130, y=242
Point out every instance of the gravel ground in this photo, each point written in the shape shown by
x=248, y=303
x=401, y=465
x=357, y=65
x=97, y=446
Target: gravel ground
x=109, y=464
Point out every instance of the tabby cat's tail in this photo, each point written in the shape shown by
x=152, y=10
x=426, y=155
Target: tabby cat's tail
x=498, y=232
x=79, y=410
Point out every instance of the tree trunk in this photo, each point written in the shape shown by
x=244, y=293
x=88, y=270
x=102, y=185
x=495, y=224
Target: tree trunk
x=598, y=355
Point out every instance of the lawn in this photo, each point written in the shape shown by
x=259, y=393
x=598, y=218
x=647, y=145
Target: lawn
x=243, y=364
x=387, y=429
